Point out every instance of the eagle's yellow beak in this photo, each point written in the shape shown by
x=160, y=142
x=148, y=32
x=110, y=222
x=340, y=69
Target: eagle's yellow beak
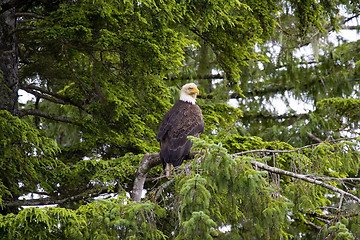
x=195, y=90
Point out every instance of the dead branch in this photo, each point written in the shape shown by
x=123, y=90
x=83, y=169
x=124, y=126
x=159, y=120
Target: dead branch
x=148, y=161
x=289, y=151
x=304, y=178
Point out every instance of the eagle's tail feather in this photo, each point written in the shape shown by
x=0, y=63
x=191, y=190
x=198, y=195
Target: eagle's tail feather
x=168, y=170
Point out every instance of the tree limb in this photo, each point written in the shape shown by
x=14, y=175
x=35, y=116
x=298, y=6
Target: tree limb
x=304, y=178
x=50, y=200
x=44, y=96
x=289, y=151
x=50, y=96
x=29, y=14
x=148, y=161
x=315, y=138
x=275, y=117
x=39, y=113
x=333, y=179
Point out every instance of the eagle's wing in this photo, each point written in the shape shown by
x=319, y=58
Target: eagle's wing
x=181, y=121
x=167, y=123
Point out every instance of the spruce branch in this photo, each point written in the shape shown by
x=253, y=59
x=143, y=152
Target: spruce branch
x=72, y=68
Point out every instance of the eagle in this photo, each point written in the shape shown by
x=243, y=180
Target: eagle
x=182, y=120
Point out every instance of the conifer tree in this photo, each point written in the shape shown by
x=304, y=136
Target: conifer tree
x=101, y=75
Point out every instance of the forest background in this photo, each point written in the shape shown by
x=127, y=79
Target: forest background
x=102, y=74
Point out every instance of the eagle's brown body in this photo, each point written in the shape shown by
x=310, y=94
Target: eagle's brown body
x=182, y=120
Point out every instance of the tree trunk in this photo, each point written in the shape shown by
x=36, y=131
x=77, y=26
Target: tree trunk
x=9, y=80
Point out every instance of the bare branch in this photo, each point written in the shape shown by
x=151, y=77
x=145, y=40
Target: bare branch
x=332, y=179
x=313, y=225
x=275, y=117
x=26, y=28
x=190, y=77
x=341, y=202
x=304, y=178
x=43, y=96
x=289, y=151
x=313, y=137
x=160, y=190
x=29, y=14
x=148, y=161
x=350, y=27
x=50, y=200
x=50, y=96
x=39, y=113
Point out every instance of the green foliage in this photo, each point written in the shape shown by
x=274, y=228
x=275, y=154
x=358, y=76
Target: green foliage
x=342, y=113
x=114, y=219
x=104, y=73
x=273, y=196
x=199, y=226
x=341, y=232
x=26, y=156
x=42, y=223
x=103, y=219
x=219, y=117
x=92, y=176
x=224, y=193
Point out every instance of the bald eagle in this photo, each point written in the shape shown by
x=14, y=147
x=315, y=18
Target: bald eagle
x=182, y=120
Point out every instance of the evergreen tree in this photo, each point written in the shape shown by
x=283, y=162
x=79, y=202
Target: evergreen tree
x=102, y=75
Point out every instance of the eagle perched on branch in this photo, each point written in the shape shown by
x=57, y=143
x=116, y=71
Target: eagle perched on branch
x=182, y=120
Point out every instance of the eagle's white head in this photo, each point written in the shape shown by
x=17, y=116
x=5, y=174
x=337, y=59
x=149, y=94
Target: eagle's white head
x=188, y=93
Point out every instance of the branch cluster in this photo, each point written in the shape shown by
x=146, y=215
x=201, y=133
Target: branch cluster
x=151, y=160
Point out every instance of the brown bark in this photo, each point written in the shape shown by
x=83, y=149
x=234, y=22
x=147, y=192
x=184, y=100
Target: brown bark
x=9, y=81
